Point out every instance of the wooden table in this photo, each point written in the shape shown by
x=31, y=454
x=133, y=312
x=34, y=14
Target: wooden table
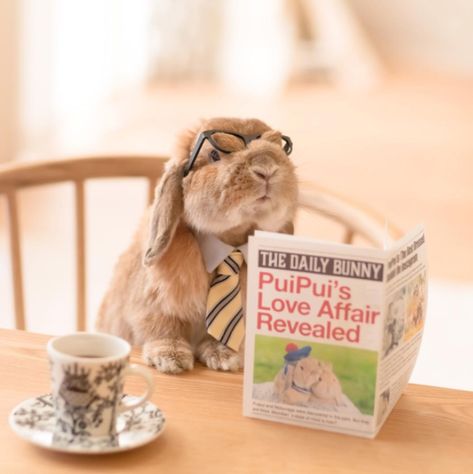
x=430, y=430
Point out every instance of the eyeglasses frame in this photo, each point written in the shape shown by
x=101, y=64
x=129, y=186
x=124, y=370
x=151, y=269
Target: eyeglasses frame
x=207, y=135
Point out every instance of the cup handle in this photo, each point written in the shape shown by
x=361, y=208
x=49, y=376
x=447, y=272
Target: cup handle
x=134, y=369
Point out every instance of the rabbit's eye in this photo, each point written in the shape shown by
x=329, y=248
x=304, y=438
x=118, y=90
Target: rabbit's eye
x=214, y=155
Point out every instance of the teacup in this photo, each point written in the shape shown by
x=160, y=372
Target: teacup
x=87, y=374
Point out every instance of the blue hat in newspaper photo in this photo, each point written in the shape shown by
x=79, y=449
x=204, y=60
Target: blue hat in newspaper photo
x=293, y=353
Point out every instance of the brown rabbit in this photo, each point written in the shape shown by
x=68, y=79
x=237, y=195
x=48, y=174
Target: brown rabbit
x=327, y=390
x=158, y=293
x=293, y=384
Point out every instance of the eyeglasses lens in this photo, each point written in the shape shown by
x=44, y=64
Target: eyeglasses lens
x=226, y=142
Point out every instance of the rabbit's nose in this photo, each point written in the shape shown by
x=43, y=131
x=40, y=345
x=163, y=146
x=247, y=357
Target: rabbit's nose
x=263, y=173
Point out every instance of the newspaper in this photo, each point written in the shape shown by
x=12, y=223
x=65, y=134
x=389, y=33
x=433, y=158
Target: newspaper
x=332, y=330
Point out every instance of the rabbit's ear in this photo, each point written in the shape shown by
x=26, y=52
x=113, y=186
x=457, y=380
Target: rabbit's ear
x=166, y=212
x=272, y=136
x=327, y=365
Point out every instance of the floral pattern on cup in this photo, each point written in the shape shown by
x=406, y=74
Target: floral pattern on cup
x=87, y=398
x=87, y=378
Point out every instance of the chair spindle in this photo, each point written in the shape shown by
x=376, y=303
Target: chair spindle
x=15, y=255
x=152, y=181
x=80, y=257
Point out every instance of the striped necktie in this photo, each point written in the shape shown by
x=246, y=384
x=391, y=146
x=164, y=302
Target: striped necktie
x=224, y=318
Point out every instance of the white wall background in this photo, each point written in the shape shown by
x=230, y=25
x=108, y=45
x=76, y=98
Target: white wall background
x=433, y=34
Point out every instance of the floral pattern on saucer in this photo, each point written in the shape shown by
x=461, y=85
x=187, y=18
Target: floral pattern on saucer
x=35, y=421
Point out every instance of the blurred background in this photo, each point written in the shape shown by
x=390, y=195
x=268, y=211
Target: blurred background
x=376, y=95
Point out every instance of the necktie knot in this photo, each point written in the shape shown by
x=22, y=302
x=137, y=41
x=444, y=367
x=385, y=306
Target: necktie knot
x=232, y=264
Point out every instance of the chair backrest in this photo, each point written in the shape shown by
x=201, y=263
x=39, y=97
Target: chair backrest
x=15, y=177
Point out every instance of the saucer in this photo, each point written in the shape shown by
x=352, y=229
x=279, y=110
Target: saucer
x=34, y=420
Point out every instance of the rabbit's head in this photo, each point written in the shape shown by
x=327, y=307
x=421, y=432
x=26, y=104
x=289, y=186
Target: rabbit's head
x=307, y=372
x=240, y=180
x=327, y=387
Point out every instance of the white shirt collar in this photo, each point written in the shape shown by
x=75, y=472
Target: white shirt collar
x=214, y=250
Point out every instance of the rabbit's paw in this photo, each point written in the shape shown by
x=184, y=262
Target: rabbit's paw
x=170, y=356
x=217, y=356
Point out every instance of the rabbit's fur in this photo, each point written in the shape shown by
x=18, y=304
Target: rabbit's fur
x=308, y=382
x=158, y=293
x=327, y=389
x=294, y=382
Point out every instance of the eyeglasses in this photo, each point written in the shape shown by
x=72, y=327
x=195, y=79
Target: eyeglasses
x=227, y=142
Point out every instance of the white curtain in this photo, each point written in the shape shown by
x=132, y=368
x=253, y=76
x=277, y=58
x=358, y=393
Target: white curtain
x=9, y=76
x=75, y=57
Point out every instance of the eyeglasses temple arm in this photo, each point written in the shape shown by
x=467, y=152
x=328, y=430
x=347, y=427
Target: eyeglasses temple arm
x=288, y=145
x=194, y=154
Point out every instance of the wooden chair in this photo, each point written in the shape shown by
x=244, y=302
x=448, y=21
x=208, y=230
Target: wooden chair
x=15, y=177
